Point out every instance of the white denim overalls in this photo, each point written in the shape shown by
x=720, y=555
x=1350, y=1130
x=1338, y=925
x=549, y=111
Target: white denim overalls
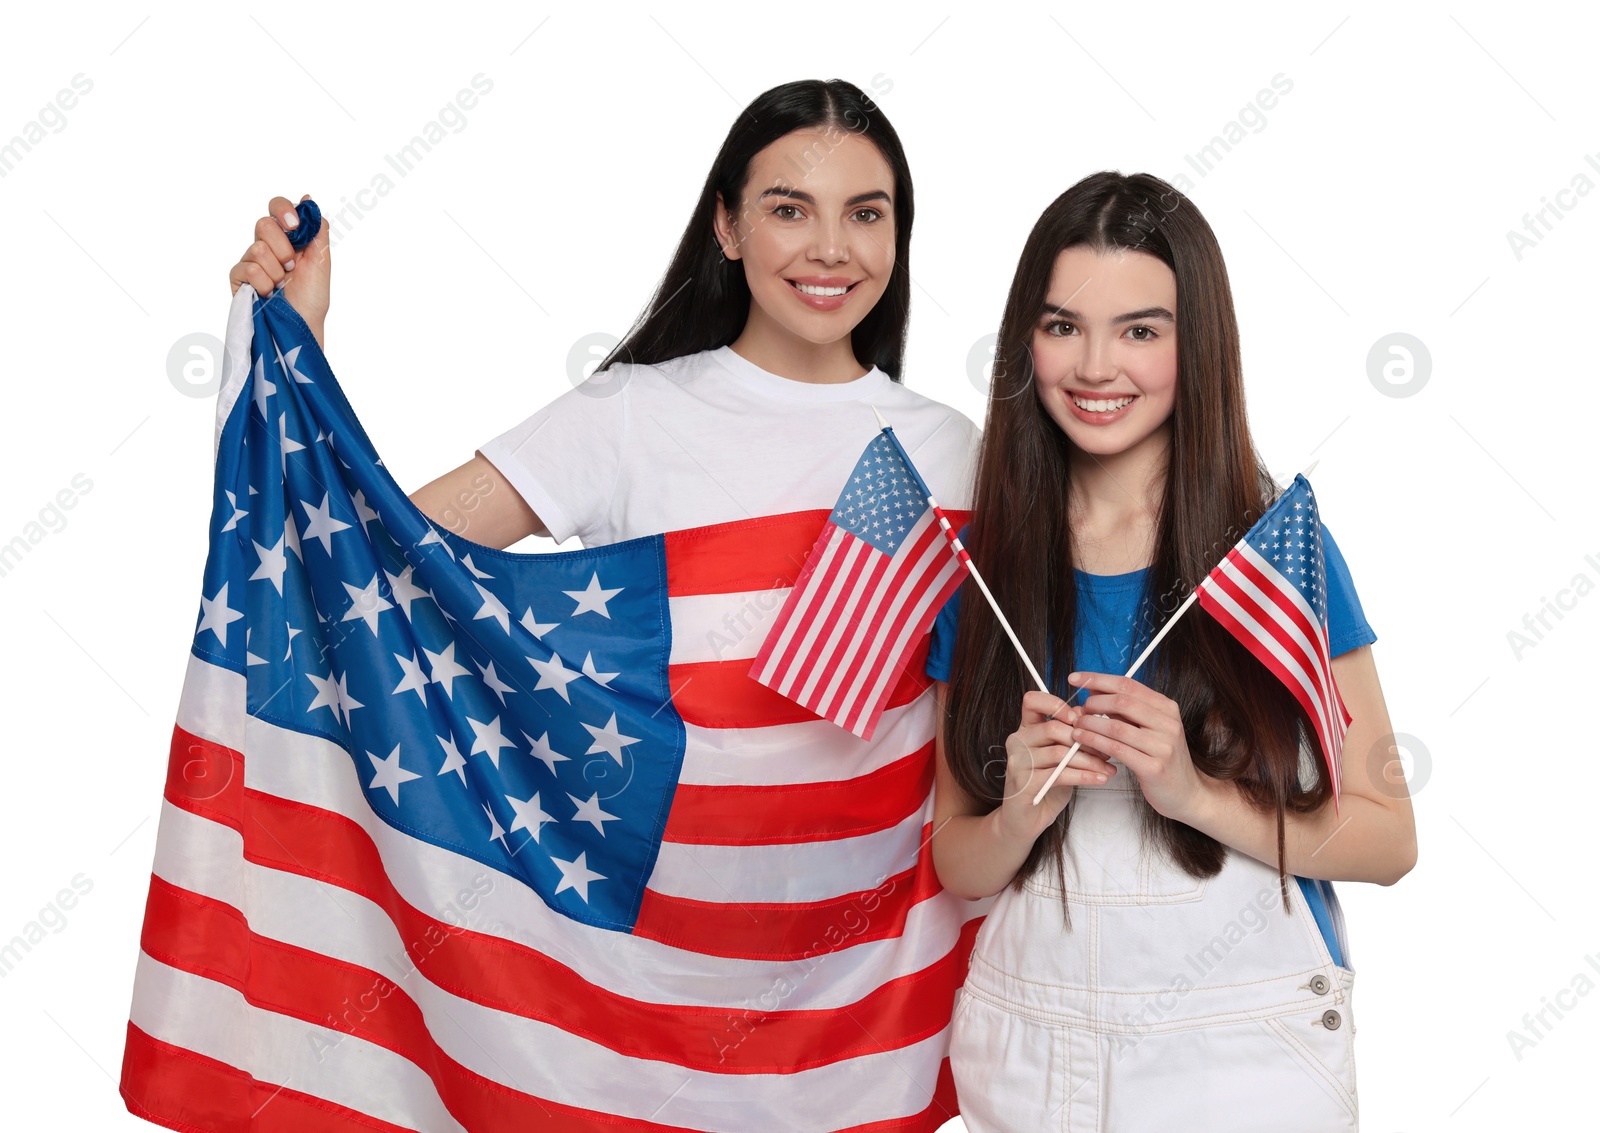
x=1170, y=1004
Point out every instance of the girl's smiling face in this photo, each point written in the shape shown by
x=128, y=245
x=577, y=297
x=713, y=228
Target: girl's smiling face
x=1105, y=348
x=815, y=231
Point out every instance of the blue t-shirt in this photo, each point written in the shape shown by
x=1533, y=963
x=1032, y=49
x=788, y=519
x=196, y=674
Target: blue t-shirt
x=1108, y=635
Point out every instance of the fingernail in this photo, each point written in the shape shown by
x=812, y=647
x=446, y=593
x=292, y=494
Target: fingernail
x=291, y=218
x=1100, y=778
x=288, y=265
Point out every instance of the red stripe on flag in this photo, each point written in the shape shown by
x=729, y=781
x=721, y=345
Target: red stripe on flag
x=763, y=931
x=722, y=694
x=181, y=1089
x=786, y=813
x=205, y=777
x=723, y=558
x=747, y=554
x=210, y=938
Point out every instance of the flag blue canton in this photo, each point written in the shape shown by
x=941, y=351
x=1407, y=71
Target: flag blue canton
x=1289, y=538
x=512, y=708
x=881, y=502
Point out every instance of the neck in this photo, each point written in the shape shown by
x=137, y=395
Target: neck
x=1114, y=499
x=776, y=350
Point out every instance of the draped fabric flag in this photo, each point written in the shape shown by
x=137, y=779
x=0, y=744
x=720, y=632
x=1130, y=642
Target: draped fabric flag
x=1271, y=592
x=459, y=839
x=885, y=563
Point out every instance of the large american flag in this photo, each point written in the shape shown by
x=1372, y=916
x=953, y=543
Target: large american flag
x=460, y=839
x=885, y=562
x=1271, y=592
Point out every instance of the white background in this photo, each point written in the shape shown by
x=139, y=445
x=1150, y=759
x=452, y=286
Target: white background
x=1376, y=199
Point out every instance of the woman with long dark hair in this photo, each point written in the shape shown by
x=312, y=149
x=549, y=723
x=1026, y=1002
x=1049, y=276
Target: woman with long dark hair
x=1148, y=964
x=737, y=406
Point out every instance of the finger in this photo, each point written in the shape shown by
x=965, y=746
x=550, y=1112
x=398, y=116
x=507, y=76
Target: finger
x=1128, y=746
x=270, y=234
x=1025, y=760
x=266, y=259
x=1126, y=706
x=1046, y=759
x=1045, y=732
x=251, y=273
x=281, y=209
x=1037, y=706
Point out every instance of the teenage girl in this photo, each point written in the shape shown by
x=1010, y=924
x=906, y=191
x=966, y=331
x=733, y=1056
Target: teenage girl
x=1148, y=964
x=746, y=390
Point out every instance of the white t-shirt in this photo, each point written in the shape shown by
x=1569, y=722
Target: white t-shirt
x=713, y=438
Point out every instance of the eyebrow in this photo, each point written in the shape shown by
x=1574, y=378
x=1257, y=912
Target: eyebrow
x=800, y=195
x=1160, y=314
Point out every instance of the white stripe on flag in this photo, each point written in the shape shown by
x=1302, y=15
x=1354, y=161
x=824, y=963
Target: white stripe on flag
x=213, y=1019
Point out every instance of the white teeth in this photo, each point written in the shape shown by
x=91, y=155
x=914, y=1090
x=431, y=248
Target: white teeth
x=808, y=289
x=1102, y=405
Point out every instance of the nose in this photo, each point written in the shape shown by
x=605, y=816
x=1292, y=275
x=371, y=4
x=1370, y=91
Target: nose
x=1097, y=363
x=830, y=245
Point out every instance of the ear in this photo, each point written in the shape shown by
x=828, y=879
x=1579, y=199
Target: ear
x=722, y=224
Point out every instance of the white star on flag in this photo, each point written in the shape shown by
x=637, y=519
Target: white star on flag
x=541, y=750
x=593, y=598
x=217, y=615
x=388, y=774
x=490, y=739
x=601, y=679
x=576, y=875
x=534, y=626
x=238, y=512
x=273, y=563
x=493, y=608
x=286, y=443
x=529, y=816
x=608, y=739
x=452, y=759
x=321, y=524
x=590, y=812
x=492, y=679
x=366, y=604
x=553, y=674
x=404, y=590
x=444, y=668
x=413, y=680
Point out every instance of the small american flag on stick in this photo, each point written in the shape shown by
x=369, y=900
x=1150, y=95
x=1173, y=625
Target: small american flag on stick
x=1271, y=592
x=885, y=563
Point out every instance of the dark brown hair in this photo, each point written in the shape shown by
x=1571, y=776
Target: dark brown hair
x=1241, y=724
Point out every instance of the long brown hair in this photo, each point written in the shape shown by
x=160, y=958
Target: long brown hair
x=1241, y=724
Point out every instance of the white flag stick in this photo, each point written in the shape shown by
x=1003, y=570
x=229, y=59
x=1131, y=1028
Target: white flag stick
x=1140, y=660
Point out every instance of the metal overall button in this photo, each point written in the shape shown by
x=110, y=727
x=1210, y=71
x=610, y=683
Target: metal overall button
x=1330, y=1019
x=1319, y=984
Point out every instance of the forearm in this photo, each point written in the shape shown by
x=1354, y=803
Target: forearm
x=1366, y=841
x=973, y=857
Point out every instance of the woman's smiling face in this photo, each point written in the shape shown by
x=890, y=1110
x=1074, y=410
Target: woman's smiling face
x=1105, y=348
x=815, y=231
